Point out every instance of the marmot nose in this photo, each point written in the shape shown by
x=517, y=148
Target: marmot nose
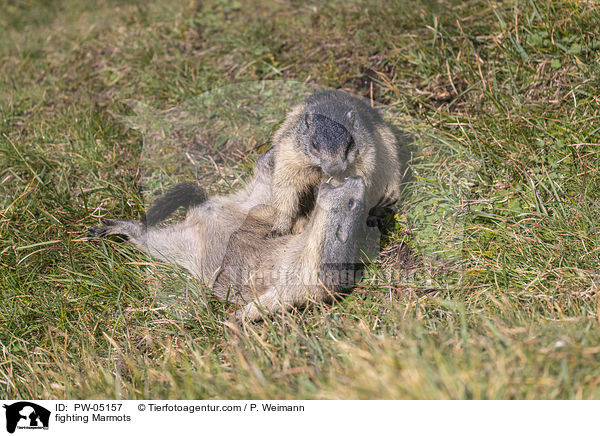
x=333, y=169
x=341, y=235
x=330, y=170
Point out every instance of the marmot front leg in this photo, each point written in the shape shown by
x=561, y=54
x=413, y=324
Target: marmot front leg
x=285, y=201
x=375, y=217
x=289, y=187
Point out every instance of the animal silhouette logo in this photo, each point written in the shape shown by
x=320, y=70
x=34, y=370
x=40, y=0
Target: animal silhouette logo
x=24, y=414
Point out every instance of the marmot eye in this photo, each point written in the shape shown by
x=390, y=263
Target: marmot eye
x=314, y=145
x=350, y=147
x=351, y=204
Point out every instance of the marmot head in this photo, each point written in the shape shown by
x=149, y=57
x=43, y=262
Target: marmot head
x=347, y=198
x=341, y=212
x=333, y=129
x=343, y=209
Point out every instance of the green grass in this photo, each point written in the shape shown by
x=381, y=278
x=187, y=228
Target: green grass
x=502, y=98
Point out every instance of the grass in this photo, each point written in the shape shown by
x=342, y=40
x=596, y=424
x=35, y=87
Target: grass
x=502, y=99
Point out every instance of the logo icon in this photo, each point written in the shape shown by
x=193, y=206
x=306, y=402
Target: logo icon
x=26, y=415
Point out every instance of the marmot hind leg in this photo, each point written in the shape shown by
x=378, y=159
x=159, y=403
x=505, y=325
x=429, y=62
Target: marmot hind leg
x=131, y=230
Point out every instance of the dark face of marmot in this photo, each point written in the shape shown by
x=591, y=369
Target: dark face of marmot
x=325, y=136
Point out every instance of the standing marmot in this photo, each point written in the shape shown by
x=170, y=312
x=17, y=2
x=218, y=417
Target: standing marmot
x=332, y=135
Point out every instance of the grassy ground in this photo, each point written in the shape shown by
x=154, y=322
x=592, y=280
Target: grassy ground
x=512, y=86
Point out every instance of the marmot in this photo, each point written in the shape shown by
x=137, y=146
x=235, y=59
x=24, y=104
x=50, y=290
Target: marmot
x=223, y=242
x=332, y=135
x=319, y=263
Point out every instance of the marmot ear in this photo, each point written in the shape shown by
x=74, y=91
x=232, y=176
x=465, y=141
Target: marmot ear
x=351, y=117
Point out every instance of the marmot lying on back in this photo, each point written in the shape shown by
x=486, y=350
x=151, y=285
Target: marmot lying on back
x=223, y=242
x=316, y=264
x=332, y=135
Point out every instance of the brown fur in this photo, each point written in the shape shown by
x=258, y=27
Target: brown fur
x=271, y=274
x=295, y=174
x=224, y=243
